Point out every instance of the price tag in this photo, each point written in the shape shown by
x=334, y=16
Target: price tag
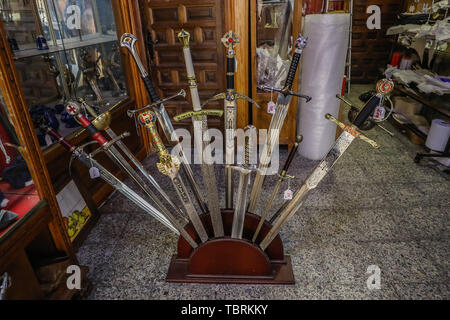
x=271, y=107
x=288, y=194
x=94, y=173
x=48, y=140
x=380, y=113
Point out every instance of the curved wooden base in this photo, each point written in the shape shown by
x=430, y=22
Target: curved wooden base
x=227, y=260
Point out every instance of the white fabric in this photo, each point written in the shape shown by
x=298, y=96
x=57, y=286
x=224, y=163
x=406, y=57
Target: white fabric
x=323, y=67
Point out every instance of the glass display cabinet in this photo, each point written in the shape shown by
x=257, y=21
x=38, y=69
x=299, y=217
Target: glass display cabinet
x=65, y=49
x=52, y=51
x=274, y=24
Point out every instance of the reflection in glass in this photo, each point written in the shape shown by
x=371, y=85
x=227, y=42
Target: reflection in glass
x=82, y=59
x=274, y=41
x=18, y=194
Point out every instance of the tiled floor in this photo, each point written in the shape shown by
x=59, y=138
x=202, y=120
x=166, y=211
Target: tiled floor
x=377, y=207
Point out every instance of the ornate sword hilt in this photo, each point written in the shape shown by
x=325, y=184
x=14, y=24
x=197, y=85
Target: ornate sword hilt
x=286, y=92
x=168, y=165
x=352, y=130
x=132, y=113
x=128, y=41
x=101, y=122
x=198, y=114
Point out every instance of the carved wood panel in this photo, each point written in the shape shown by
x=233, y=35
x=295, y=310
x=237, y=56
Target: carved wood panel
x=204, y=20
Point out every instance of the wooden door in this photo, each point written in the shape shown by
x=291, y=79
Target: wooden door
x=204, y=20
x=261, y=32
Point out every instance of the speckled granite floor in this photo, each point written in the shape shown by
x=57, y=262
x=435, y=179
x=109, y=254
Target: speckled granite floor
x=375, y=208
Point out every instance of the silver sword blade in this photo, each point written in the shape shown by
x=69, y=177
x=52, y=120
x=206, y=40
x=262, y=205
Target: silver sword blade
x=239, y=213
x=169, y=221
x=325, y=166
x=276, y=124
x=144, y=172
x=190, y=209
x=230, y=128
x=267, y=209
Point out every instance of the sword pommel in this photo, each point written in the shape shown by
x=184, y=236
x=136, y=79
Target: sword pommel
x=184, y=38
x=230, y=40
x=128, y=41
x=301, y=42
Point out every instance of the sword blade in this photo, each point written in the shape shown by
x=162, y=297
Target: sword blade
x=230, y=129
x=144, y=172
x=325, y=166
x=239, y=213
x=190, y=209
x=276, y=124
x=267, y=208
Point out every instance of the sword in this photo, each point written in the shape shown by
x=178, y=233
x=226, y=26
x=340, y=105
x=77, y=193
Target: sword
x=167, y=220
x=244, y=179
x=276, y=124
x=283, y=176
x=102, y=122
x=337, y=150
x=170, y=166
x=199, y=120
x=73, y=108
x=230, y=97
x=129, y=41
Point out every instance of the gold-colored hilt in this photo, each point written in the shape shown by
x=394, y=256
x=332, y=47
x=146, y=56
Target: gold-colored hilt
x=184, y=38
x=352, y=130
x=230, y=40
x=198, y=114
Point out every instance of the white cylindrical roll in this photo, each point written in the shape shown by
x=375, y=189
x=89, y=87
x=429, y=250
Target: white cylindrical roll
x=323, y=68
x=438, y=136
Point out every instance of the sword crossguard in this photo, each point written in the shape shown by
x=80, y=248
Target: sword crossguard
x=286, y=92
x=286, y=177
x=230, y=96
x=198, y=114
x=108, y=145
x=352, y=130
x=131, y=113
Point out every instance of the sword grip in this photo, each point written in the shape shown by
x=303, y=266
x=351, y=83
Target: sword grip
x=150, y=89
x=367, y=111
x=231, y=69
x=291, y=155
x=292, y=71
x=92, y=130
x=60, y=138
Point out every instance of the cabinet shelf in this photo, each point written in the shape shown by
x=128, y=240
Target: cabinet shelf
x=21, y=54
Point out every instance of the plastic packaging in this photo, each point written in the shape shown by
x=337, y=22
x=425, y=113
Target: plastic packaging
x=323, y=67
x=438, y=136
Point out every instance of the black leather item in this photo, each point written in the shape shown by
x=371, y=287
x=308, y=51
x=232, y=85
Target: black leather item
x=7, y=218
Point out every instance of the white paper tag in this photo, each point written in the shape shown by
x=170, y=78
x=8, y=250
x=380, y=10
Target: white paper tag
x=288, y=194
x=380, y=113
x=271, y=107
x=48, y=140
x=94, y=173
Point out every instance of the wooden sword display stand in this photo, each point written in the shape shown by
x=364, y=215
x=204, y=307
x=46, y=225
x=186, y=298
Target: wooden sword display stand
x=228, y=260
